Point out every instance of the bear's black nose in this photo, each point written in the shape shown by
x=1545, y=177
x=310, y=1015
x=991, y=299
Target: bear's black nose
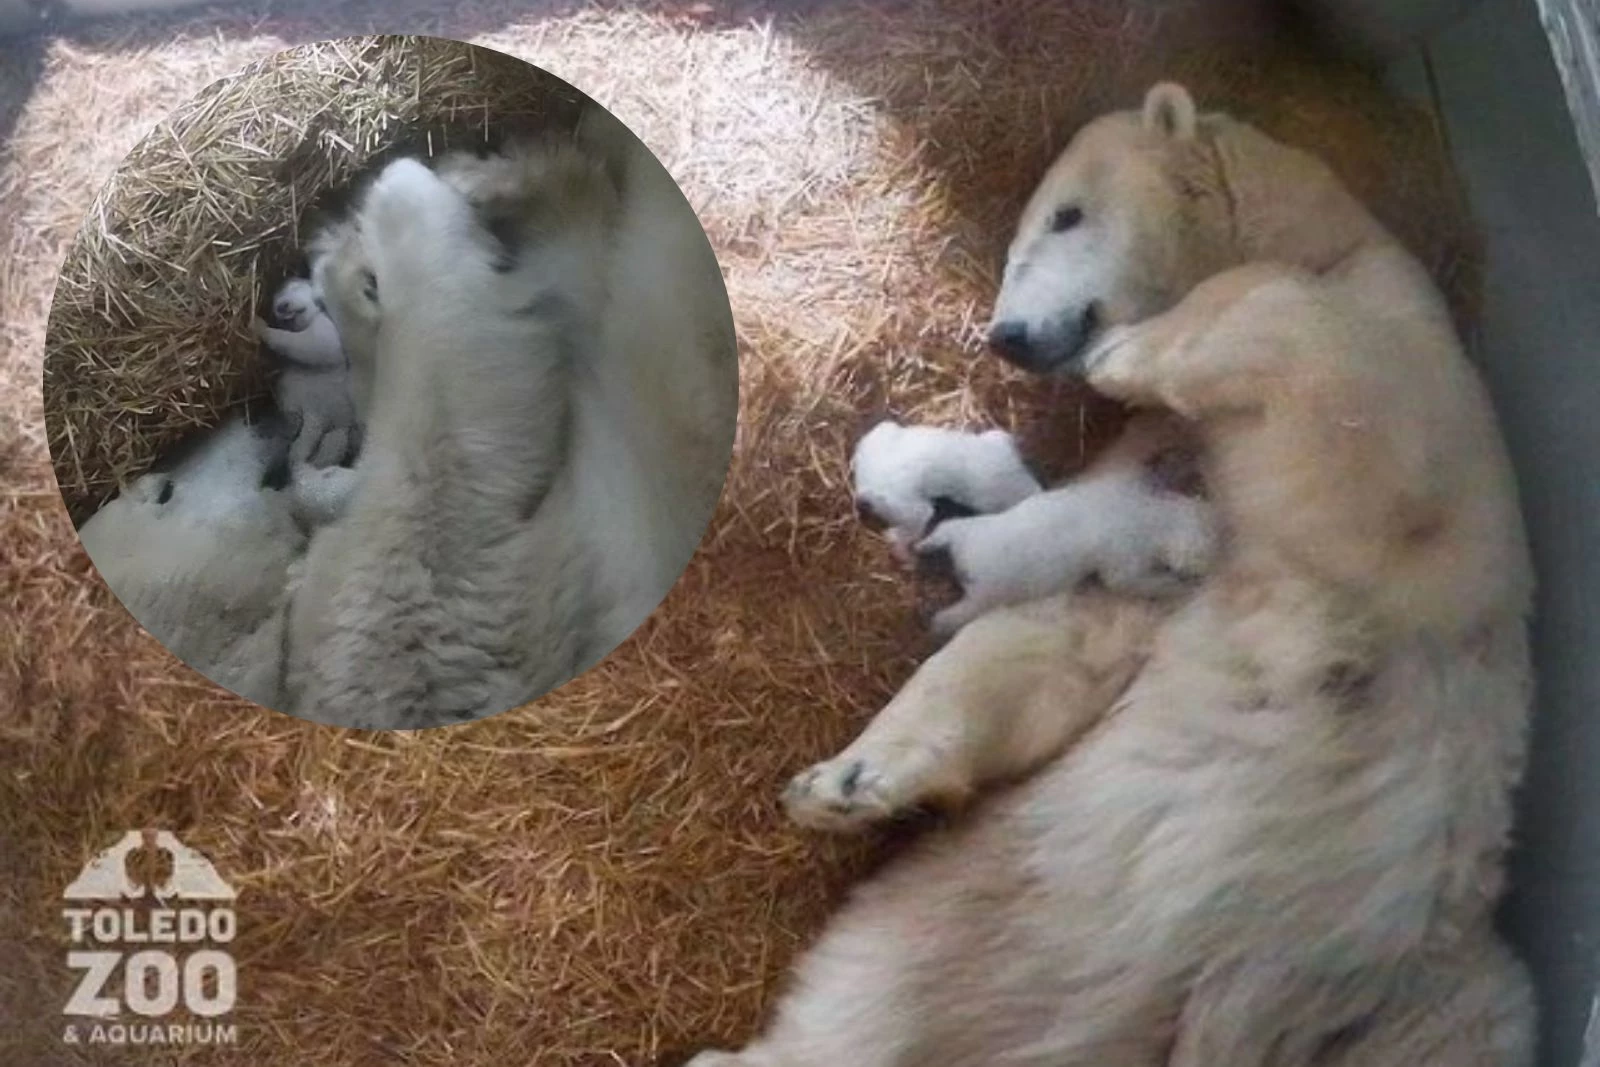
x=1010, y=340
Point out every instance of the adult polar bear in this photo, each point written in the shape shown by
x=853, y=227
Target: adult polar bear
x=548, y=409
x=1265, y=825
x=544, y=359
x=200, y=552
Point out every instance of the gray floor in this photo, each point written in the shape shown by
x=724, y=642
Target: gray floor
x=1514, y=141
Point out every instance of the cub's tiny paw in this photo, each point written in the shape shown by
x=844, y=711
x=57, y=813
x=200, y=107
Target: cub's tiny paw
x=838, y=795
x=320, y=495
x=871, y=514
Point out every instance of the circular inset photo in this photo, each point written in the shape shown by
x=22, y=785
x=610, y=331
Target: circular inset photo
x=391, y=382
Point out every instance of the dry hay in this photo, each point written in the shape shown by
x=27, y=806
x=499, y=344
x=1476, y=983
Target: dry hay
x=149, y=335
x=601, y=877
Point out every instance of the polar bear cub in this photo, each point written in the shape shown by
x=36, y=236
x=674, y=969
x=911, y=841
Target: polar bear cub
x=903, y=474
x=313, y=387
x=1124, y=522
x=1131, y=521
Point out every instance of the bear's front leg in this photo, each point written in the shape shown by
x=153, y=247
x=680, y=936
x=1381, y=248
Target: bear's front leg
x=1009, y=692
x=1124, y=363
x=1217, y=348
x=417, y=227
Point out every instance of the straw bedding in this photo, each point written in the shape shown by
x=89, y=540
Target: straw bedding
x=149, y=334
x=601, y=877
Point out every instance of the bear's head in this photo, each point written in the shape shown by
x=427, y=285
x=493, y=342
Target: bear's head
x=199, y=551
x=1127, y=220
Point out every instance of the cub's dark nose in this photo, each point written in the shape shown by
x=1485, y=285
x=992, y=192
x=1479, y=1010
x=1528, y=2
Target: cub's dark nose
x=283, y=311
x=1010, y=341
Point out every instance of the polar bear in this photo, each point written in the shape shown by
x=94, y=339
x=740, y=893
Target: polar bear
x=549, y=370
x=204, y=550
x=1265, y=823
x=313, y=384
x=425, y=603
x=543, y=363
x=655, y=413
x=1132, y=522
x=909, y=477
x=347, y=291
x=200, y=554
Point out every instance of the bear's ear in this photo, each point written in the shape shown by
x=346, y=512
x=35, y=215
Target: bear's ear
x=1169, y=110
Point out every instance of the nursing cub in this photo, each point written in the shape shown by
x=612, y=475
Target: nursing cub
x=541, y=365
x=1262, y=824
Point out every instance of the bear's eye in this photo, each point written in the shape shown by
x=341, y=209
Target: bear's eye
x=166, y=492
x=369, y=286
x=1065, y=219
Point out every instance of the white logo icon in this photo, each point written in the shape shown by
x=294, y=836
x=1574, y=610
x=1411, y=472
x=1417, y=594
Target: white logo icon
x=106, y=876
x=148, y=890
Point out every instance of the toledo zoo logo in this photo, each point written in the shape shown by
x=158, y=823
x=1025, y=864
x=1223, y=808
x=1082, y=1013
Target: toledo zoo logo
x=146, y=918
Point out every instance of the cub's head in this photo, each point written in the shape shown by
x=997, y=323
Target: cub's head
x=296, y=305
x=1117, y=231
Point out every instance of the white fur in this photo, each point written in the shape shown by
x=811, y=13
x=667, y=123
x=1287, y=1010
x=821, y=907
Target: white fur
x=546, y=430
x=548, y=435
x=313, y=387
x=200, y=555
x=321, y=494
x=205, y=556
x=1115, y=522
x=655, y=419
x=1112, y=526
x=296, y=306
x=1265, y=824
x=899, y=471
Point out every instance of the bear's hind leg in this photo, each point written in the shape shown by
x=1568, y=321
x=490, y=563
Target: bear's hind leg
x=1009, y=692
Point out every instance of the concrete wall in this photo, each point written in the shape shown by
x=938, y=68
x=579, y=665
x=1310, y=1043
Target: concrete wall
x=1506, y=117
x=17, y=16
x=1574, y=29
x=1488, y=69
